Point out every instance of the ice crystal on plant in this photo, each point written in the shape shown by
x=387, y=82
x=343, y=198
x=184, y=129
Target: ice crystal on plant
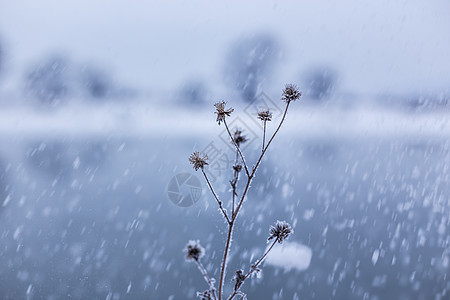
x=290, y=93
x=197, y=161
x=280, y=231
x=222, y=112
x=194, y=250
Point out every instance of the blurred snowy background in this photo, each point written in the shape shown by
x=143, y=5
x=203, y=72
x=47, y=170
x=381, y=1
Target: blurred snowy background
x=102, y=102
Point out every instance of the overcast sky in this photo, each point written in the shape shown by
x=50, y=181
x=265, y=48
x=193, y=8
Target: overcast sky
x=377, y=46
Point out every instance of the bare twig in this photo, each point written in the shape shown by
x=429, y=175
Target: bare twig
x=271, y=139
x=264, y=136
x=257, y=164
x=253, y=268
x=206, y=277
x=237, y=147
x=234, y=181
x=216, y=197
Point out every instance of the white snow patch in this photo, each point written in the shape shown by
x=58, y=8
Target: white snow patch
x=290, y=255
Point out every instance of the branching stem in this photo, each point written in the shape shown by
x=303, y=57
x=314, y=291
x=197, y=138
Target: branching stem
x=250, y=177
x=206, y=277
x=237, y=147
x=231, y=221
x=254, y=267
x=234, y=182
x=271, y=139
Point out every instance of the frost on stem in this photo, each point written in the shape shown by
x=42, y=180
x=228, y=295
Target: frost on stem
x=194, y=251
x=290, y=93
x=222, y=112
x=280, y=231
x=197, y=161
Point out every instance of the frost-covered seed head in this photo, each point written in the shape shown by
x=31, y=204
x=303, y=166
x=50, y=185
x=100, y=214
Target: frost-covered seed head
x=290, y=93
x=194, y=250
x=237, y=168
x=198, y=161
x=265, y=115
x=280, y=231
x=239, y=277
x=222, y=112
x=239, y=138
x=206, y=295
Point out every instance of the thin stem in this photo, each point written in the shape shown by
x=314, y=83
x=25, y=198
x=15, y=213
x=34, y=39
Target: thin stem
x=224, y=261
x=247, y=186
x=254, y=267
x=264, y=136
x=206, y=277
x=271, y=139
x=233, y=185
x=237, y=147
x=233, y=217
x=234, y=182
x=216, y=197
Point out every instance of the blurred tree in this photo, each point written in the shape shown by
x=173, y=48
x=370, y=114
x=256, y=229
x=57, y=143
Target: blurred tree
x=249, y=63
x=95, y=83
x=49, y=81
x=57, y=79
x=320, y=82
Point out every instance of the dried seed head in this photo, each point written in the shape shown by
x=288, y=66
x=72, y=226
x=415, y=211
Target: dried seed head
x=280, y=231
x=239, y=138
x=194, y=250
x=222, y=112
x=290, y=93
x=237, y=168
x=206, y=295
x=239, y=278
x=197, y=161
x=265, y=115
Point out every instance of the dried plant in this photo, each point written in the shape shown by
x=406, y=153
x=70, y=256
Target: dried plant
x=278, y=233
